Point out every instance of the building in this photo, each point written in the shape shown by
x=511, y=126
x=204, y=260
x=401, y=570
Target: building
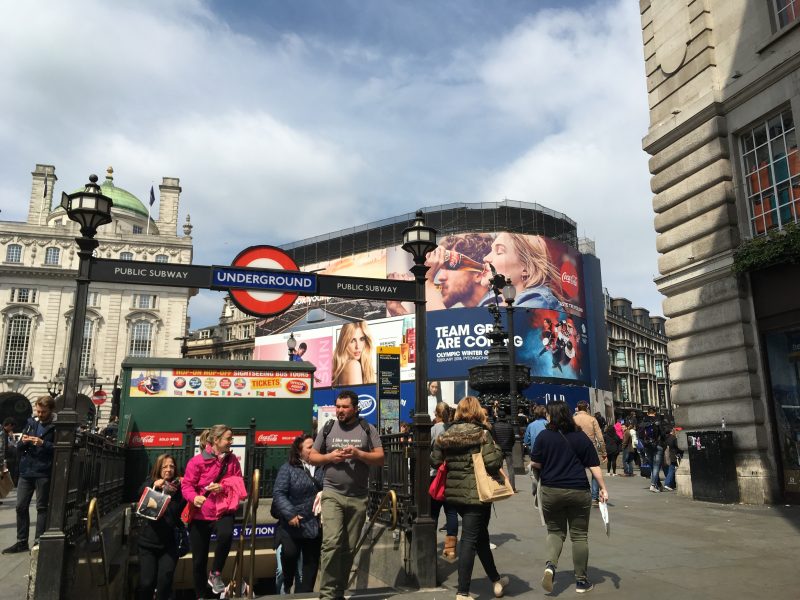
x=637, y=355
x=723, y=84
x=231, y=339
x=37, y=285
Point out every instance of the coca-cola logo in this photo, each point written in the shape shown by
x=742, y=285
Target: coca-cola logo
x=276, y=438
x=296, y=386
x=155, y=439
x=569, y=279
x=266, y=438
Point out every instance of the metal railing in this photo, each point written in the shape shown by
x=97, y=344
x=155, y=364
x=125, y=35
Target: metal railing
x=97, y=472
x=397, y=475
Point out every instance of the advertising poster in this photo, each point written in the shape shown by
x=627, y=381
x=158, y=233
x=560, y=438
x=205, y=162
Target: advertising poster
x=314, y=346
x=325, y=400
x=221, y=383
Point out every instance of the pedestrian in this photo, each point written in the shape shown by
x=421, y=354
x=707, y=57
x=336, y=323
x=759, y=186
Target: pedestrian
x=505, y=438
x=628, y=450
x=562, y=454
x=589, y=425
x=441, y=422
x=203, y=485
x=347, y=448
x=299, y=531
x=672, y=458
x=612, y=443
x=601, y=420
x=468, y=435
x=619, y=427
x=652, y=435
x=9, y=447
x=535, y=427
x=158, y=547
x=35, y=448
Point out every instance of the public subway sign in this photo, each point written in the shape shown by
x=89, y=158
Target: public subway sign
x=149, y=273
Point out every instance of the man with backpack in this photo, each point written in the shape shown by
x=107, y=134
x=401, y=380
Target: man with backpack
x=347, y=448
x=651, y=436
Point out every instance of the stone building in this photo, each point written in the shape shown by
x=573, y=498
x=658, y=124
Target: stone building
x=38, y=266
x=232, y=338
x=637, y=358
x=724, y=96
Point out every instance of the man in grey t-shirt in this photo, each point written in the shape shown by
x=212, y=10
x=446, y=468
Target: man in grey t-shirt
x=347, y=452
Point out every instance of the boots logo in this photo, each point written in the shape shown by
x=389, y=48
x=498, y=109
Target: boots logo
x=366, y=405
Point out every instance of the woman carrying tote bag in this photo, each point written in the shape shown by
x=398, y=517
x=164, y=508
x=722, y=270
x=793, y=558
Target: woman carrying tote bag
x=468, y=435
x=562, y=453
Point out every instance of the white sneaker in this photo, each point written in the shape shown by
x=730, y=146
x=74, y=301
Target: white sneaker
x=492, y=546
x=669, y=489
x=500, y=587
x=654, y=489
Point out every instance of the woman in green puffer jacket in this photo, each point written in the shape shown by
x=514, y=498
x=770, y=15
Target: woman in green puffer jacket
x=467, y=435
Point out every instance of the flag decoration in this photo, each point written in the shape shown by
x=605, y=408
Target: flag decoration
x=152, y=196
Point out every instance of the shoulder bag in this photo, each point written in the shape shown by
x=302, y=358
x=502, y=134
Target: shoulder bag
x=437, y=487
x=489, y=488
x=189, y=510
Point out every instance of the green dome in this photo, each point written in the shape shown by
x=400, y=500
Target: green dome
x=121, y=198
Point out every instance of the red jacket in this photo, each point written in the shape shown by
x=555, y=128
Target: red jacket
x=202, y=470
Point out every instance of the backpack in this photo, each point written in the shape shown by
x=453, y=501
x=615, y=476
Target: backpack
x=329, y=425
x=648, y=433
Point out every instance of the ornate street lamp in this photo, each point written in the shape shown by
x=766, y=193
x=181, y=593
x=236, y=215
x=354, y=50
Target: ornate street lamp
x=291, y=345
x=509, y=293
x=90, y=209
x=56, y=382
x=419, y=240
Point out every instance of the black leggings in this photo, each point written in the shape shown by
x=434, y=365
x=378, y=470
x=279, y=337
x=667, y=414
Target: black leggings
x=291, y=549
x=612, y=462
x=474, y=540
x=200, y=540
x=156, y=571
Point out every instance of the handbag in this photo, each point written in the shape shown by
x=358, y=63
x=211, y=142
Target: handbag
x=187, y=514
x=152, y=504
x=436, y=489
x=6, y=484
x=182, y=539
x=490, y=489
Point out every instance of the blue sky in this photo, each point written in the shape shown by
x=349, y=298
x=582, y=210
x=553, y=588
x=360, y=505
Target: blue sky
x=289, y=119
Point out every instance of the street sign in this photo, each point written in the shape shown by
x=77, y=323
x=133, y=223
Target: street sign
x=99, y=397
x=362, y=287
x=263, y=303
x=148, y=273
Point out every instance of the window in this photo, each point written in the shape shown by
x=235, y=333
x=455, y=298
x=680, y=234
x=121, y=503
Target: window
x=144, y=301
x=162, y=258
x=140, y=343
x=786, y=11
x=52, y=256
x=126, y=255
x=229, y=334
x=137, y=229
x=93, y=299
x=641, y=362
x=23, y=295
x=659, y=368
x=662, y=396
x=86, y=348
x=14, y=253
x=18, y=335
x=621, y=362
x=623, y=389
x=643, y=392
x=205, y=334
x=771, y=167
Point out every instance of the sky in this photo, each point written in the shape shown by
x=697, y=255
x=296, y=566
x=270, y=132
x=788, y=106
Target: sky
x=289, y=119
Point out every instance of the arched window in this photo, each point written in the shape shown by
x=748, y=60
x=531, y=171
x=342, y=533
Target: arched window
x=86, y=348
x=17, y=343
x=14, y=253
x=141, y=339
x=162, y=258
x=52, y=256
x=126, y=255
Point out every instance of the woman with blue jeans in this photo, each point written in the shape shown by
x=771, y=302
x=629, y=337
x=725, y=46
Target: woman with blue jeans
x=674, y=453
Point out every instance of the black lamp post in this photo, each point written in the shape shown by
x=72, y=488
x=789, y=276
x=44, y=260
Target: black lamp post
x=90, y=209
x=291, y=345
x=509, y=293
x=419, y=240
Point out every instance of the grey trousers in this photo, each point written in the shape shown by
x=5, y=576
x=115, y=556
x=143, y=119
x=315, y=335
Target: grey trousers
x=567, y=509
x=343, y=518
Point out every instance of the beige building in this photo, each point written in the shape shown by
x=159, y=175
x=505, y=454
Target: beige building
x=38, y=266
x=724, y=96
x=637, y=358
x=232, y=339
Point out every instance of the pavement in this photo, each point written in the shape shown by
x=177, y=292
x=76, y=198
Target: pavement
x=660, y=546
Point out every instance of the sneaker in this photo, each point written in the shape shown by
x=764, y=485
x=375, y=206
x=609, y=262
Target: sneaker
x=583, y=585
x=669, y=489
x=654, y=489
x=595, y=503
x=492, y=546
x=547, y=578
x=500, y=587
x=215, y=581
x=17, y=548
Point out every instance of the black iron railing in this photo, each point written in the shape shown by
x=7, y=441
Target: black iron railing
x=396, y=474
x=97, y=471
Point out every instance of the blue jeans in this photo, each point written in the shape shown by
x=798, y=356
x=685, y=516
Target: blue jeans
x=25, y=490
x=669, y=480
x=627, y=460
x=656, y=456
x=450, y=513
x=595, y=489
x=474, y=541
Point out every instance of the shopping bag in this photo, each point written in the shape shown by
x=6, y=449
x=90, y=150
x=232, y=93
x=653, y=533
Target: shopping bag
x=152, y=504
x=436, y=489
x=6, y=484
x=490, y=489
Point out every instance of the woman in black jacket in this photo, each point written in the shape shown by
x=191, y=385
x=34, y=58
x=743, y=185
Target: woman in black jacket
x=158, y=548
x=612, y=442
x=299, y=530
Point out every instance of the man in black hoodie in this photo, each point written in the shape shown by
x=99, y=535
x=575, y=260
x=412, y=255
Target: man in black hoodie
x=35, y=464
x=504, y=436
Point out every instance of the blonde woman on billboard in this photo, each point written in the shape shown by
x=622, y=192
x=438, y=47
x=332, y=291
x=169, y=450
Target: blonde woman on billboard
x=352, y=360
x=525, y=261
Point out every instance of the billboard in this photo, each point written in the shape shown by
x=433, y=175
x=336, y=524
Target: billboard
x=552, y=335
x=232, y=383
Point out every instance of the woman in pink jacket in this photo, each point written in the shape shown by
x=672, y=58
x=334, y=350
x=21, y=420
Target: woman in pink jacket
x=205, y=489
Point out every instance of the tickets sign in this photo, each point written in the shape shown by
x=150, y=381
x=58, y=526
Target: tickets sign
x=201, y=382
